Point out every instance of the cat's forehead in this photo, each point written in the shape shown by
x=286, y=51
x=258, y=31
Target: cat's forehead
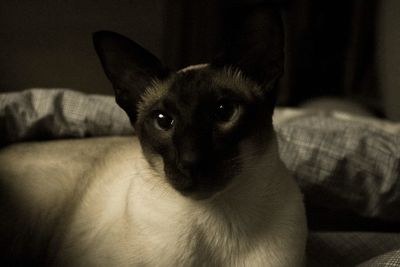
x=194, y=82
x=201, y=78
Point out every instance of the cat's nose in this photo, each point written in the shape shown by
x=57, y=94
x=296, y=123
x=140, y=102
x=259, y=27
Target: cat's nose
x=191, y=154
x=189, y=160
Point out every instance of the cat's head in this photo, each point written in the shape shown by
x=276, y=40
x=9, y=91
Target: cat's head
x=191, y=123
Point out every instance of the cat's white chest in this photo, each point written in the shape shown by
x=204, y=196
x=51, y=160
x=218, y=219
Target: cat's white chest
x=125, y=219
x=131, y=217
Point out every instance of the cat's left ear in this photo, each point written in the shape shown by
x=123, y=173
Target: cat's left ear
x=129, y=67
x=257, y=48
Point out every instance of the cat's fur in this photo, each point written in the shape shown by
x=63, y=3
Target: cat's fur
x=207, y=190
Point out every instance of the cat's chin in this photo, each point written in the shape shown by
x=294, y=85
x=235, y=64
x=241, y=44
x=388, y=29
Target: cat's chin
x=198, y=195
x=193, y=192
x=200, y=186
x=196, y=192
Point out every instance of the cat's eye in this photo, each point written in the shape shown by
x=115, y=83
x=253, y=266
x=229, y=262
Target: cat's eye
x=163, y=121
x=226, y=110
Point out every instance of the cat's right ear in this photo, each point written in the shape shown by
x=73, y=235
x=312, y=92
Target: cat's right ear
x=256, y=47
x=129, y=67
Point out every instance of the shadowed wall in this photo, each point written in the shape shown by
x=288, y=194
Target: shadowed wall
x=48, y=43
x=336, y=48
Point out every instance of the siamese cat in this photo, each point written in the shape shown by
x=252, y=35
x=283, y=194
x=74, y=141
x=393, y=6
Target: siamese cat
x=201, y=184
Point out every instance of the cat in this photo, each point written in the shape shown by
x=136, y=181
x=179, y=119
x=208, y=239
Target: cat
x=201, y=184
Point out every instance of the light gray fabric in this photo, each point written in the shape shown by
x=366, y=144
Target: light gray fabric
x=341, y=162
x=59, y=113
x=350, y=165
x=339, y=249
x=389, y=259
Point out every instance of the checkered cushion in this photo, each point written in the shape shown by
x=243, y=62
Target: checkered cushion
x=59, y=113
x=344, y=162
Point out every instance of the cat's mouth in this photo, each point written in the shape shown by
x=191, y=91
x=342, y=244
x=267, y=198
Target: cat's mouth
x=198, y=186
x=197, y=195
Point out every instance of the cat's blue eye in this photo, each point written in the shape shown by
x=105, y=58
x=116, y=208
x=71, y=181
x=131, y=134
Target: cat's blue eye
x=226, y=110
x=163, y=121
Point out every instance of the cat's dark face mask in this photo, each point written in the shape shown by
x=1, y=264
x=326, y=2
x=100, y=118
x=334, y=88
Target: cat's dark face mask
x=195, y=122
x=191, y=123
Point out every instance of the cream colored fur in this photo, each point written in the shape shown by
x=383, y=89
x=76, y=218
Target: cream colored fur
x=100, y=204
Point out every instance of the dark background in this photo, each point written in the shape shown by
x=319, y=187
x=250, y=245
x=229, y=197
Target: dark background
x=344, y=48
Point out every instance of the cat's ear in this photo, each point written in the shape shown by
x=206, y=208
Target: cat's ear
x=130, y=68
x=256, y=47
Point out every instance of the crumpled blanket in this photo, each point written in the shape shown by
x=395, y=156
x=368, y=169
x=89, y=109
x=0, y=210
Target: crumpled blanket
x=58, y=113
x=346, y=166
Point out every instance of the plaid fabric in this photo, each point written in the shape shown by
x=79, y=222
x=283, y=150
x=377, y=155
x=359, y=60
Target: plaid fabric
x=390, y=259
x=340, y=249
x=341, y=162
x=58, y=113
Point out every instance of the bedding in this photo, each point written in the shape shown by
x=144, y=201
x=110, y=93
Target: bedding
x=347, y=166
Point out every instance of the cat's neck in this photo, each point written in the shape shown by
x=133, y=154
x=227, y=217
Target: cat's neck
x=259, y=189
x=253, y=207
x=260, y=185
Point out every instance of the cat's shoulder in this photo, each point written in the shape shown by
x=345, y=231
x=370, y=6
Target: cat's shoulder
x=71, y=146
x=79, y=151
x=43, y=173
